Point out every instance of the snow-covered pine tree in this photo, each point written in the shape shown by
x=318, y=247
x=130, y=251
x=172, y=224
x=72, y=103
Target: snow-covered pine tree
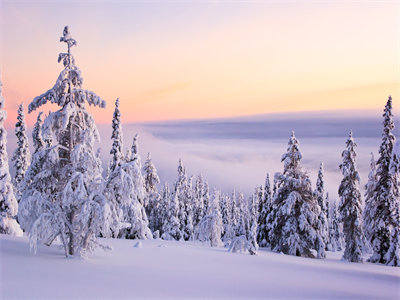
x=381, y=218
x=350, y=204
x=151, y=180
x=38, y=142
x=295, y=229
x=369, y=208
x=63, y=195
x=22, y=155
x=335, y=228
x=319, y=193
x=211, y=227
x=171, y=224
x=117, y=139
x=8, y=203
x=264, y=208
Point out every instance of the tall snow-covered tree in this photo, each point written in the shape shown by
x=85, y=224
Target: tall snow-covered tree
x=22, y=155
x=117, y=156
x=381, y=218
x=211, y=226
x=151, y=180
x=8, y=202
x=38, y=141
x=171, y=224
x=295, y=229
x=369, y=222
x=321, y=199
x=65, y=199
x=264, y=208
x=350, y=204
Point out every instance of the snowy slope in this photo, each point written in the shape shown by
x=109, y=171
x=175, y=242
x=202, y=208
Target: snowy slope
x=167, y=269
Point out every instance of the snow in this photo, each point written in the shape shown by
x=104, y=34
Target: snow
x=171, y=269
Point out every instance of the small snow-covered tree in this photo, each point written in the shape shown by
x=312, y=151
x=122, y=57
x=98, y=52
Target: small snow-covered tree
x=225, y=208
x=235, y=212
x=295, y=227
x=171, y=224
x=369, y=222
x=38, y=142
x=22, y=155
x=151, y=180
x=198, y=198
x=323, y=215
x=335, y=229
x=243, y=215
x=63, y=194
x=392, y=256
x=380, y=218
x=183, y=190
x=117, y=139
x=251, y=234
x=264, y=208
x=350, y=204
x=211, y=227
x=8, y=203
x=134, y=211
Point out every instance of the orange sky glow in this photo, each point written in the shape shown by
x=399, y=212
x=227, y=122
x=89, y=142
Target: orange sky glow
x=173, y=60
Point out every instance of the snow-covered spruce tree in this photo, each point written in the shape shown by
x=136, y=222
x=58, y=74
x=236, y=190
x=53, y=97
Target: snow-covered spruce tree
x=251, y=234
x=198, y=198
x=295, y=229
x=243, y=215
x=319, y=194
x=8, y=203
x=211, y=227
x=264, y=208
x=229, y=230
x=350, y=204
x=63, y=194
x=380, y=221
x=117, y=140
x=335, y=229
x=369, y=209
x=38, y=142
x=151, y=180
x=133, y=210
x=225, y=208
x=171, y=224
x=392, y=256
x=22, y=155
x=235, y=212
x=183, y=191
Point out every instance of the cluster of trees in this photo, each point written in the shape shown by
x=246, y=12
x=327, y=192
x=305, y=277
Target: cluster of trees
x=60, y=191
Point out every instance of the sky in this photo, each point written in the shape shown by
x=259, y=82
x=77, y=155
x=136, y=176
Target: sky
x=169, y=60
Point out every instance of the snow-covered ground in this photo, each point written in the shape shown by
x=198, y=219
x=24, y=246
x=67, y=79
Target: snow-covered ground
x=167, y=269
